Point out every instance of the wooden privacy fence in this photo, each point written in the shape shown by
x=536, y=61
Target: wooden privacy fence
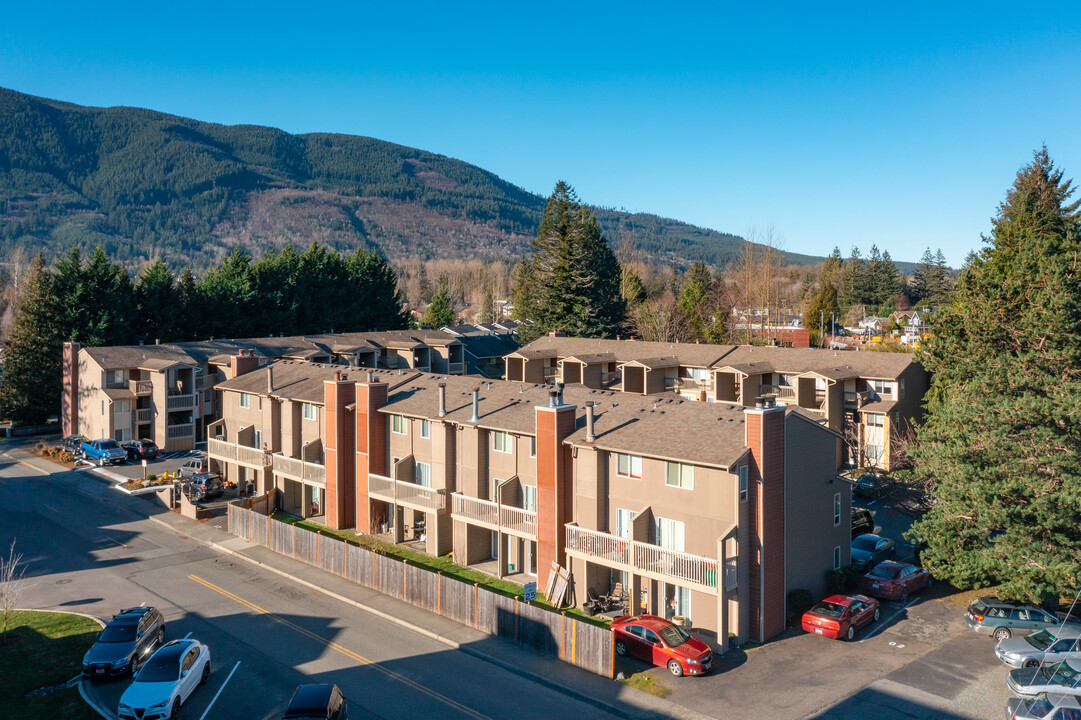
x=579, y=643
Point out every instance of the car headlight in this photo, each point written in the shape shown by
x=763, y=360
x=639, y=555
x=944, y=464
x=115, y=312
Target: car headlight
x=163, y=703
x=125, y=707
x=122, y=662
x=692, y=662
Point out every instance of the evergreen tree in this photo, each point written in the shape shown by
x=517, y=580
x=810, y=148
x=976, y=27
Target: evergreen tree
x=1000, y=445
x=632, y=289
x=30, y=391
x=227, y=294
x=924, y=283
x=188, y=308
x=95, y=299
x=439, y=312
x=818, y=312
x=856, y=285
x=486, y=312
x=158, y=309
x=377, y=302
x=696, y=289
x=890, y=282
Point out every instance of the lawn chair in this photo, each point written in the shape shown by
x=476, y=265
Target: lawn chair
x=617, y=599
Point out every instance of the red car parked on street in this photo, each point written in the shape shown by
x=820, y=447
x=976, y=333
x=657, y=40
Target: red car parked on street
x=658, y=641
x=840, y=616
x=894, y=580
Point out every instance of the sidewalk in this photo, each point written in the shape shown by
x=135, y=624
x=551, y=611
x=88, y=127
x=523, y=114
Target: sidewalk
x=609, y=696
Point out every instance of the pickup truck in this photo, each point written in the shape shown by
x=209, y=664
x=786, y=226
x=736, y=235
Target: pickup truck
x=104, y=452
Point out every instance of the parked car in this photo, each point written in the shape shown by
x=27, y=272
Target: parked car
x=655, y=640
x=104, y=452
x=125, y=642
x=1047, y=706
x=141, y=450
x=317, y=702
x=894, y=580
x=1040, y=647
x=869, y=550
x=870, y=486
x=198, y=464
x=166, y=681
x=862, y=521
x=1002, y=619
x=1063, y=677
x=205, y=486
x=73, y=444
x=840, y=616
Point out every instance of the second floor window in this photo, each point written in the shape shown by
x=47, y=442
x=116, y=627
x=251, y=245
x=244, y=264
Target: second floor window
x=883, y=387
x=309, y=411
x=874, y=419
x=743, y=473
x=121, y=406
x=501, y=441
x=424, y=474
x=245, y=400
x=529, y=498
x=623, y=522
x=399, y=425
x=532, y=447
x=698, y=373
x=836, y=509
x=425, y=429
x=679, y=475
x=629, y=466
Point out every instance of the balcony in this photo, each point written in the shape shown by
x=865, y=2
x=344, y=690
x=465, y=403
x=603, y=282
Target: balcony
x=550, y=372
x=144, y=415
x=225, y=451
x=205, y=382
x=141, y=388
x=180, y=402
x=501, y=518
x=857, y=400
x=652, y=561
x=456, y=368
x=781, y=392
x=176, y=432
x=308, y=473
x=406, y=494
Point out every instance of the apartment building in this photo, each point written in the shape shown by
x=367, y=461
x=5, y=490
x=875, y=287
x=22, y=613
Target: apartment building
x=871, y=398
x=165, y=392
x=715, y=510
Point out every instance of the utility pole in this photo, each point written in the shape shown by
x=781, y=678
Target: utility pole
x=821, y=328
x=833, y=326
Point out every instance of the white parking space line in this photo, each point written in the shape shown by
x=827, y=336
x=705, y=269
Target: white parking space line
x=882, y=623
x=227, y=678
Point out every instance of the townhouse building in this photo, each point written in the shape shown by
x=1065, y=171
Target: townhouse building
x=870, y=398
x=165, y=392
x=712, y=510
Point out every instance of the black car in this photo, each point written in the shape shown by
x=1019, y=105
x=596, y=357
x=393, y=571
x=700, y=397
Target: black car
x=125, y=643
x=317, y=702
x=205, y=486
x=870, y=486
x=141, y=450
x=862, y=522
x=73, y=443
x=869, y=550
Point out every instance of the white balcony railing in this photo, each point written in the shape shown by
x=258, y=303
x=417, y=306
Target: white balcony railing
x=518, y=521
x=180, y=402
x=300, y=470
x=781, y=392
x=176, y=432
x=141, y=387
x=144, y=415
x=240, y=454
x=595, y=544
x=674, y=564
x=475, y=510
x=406, y=494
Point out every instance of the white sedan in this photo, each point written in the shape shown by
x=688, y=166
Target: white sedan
x=166, y=681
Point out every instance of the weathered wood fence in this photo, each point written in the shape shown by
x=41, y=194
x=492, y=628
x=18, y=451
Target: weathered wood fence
x=579, y=643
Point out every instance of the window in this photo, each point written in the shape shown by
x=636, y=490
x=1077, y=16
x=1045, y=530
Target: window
x=629, y=466
x=122, y=434
x=121, y=406
x=786, y=379
x=874, y=453
x=743, y=472
x=258, y=434
x=309, y=411
x=670, y=534
x=679, y=475
x=623, y=522
x=883, y=387
x=423, y=475
x=532, y=447
x=208, y=396
x=698, y=373
x=501, y=441
x=529, y=498
x=425, y=429
x=399, y=425
x=836, y=509
x=901, y=389
x=837, y=558
x=874, y=419
x=245, y=400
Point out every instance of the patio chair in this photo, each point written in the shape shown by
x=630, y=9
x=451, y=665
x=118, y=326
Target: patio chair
x=616, y=599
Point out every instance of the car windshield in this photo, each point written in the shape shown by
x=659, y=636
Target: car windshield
x=862, y=543
x=674, y=635
x=888, y=572
x=1062, y=674
x=159, y=670
x=109, y=445
x=828, y=609
x=1039, y=706
x=117, y=633
x=1041, y=640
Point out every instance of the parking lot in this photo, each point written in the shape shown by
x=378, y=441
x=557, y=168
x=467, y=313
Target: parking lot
x=168, y=463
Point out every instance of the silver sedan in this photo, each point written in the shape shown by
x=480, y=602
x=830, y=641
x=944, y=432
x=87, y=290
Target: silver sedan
x=1041, y=647
x=1063, y=677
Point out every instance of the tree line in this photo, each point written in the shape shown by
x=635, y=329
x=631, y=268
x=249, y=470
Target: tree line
x=94, y=300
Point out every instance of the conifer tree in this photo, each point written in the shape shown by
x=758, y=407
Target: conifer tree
x=439, y=312
x=1001, y=445
x=821, y=311
x=30, y=391
x=632, y=289
x=486, y=312
x=157, y=305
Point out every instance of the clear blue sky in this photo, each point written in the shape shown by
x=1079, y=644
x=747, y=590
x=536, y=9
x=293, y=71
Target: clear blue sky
x=899, y=124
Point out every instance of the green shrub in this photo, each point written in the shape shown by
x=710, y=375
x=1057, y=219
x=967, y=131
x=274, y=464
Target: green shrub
x=843, y=581
x=151, y=477
x=799, y=602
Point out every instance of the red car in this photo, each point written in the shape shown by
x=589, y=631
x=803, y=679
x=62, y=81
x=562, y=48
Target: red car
x=894, y=580
x=658, y=641
x=841, y=616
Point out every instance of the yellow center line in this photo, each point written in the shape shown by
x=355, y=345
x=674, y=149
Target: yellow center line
x=116, y=541
x=343, y=650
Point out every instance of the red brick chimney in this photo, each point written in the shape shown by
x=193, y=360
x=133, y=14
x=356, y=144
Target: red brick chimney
x=555, y=421
x=371, y=445
x=339, y=452
x=243, y=362
x=765, y=437
x=69, y=397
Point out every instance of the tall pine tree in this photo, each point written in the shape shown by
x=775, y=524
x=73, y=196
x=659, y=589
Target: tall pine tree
x=30, y=391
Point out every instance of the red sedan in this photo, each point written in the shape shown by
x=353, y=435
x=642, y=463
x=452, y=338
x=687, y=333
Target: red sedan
x=658, y=641
x=841, y=616
x=895, y=580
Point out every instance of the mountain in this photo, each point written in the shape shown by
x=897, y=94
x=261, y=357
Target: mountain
x=146, y=184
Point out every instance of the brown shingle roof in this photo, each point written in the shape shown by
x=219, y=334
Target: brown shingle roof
x=624, y=350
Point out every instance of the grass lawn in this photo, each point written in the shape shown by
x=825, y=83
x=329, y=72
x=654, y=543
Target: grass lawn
x=43, y=649
x=643, y=680
x=442, y=564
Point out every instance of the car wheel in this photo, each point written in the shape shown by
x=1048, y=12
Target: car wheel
x=675, y=668
x=135, y=665
x=206, y=674
x=851, y=634
x=878, y=614
x=621, y=648
x=1030, y=664
x=176, y=710
x=904, y=594
x=101, y=462
x=1002, y=634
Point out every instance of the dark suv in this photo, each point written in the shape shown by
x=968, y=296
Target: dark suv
x=125, y=643
x=862, y=522
x=141, y=450
x=205, y=486
x=316, y=702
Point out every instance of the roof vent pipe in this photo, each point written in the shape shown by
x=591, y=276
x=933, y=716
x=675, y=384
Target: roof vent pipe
x=370, y=378
x=559, y=393
x=476, y=405
x=270, y=380
x=552, y=401
x=442, y=399
x=590, y=435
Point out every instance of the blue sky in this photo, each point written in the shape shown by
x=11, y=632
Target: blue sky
x=901, y=125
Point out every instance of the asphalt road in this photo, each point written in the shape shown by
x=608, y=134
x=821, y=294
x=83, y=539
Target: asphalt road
x=266, y=634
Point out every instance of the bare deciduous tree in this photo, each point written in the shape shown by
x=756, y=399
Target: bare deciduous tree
x=12, y=583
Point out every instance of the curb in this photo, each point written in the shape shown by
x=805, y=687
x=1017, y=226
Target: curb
x=93, y=703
